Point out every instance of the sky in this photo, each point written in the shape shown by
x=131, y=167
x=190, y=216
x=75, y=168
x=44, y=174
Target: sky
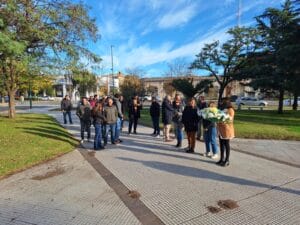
x=150, y=34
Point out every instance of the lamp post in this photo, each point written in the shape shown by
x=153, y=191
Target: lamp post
x=112, y=68
x=30, y=96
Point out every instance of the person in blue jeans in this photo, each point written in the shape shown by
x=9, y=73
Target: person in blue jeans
x=111, y=115
x=210, y=134
x=118, y=104
x=177, y=119
x=98, y=121
x=155, y=113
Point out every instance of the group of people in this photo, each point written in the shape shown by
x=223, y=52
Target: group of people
x=107, y=115
x=188, y=117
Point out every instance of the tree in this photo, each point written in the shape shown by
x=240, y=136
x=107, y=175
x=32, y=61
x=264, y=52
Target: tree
x=178, y=68
x=225, y=62
x=131, y=85
x=276, y=63
x=187, y=88
x=41, y=33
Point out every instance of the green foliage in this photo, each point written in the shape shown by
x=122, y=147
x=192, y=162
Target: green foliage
x=187, y=88
x=45, y=35
x=225, y=61
x=276, y=63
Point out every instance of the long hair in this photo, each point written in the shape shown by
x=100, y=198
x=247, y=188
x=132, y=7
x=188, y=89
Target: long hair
x=98, y=108
x=226, y=103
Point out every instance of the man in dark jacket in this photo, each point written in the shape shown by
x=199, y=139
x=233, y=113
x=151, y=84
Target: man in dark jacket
x=85, y=116
x=134, y=113
x=154, y=113
x=66, y=107
x=167, y=115
x=177, y=119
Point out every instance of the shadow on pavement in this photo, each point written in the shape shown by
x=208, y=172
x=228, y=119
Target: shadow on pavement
x=205, y=174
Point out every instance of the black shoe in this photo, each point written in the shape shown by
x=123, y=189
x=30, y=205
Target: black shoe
x=120, y=140
x=190, y=151
x=224, y=164
x=179, y=145
x=135, y=132
x=219, y=162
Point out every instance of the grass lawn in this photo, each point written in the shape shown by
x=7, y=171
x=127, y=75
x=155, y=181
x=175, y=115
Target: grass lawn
x=258, y=124
x=30, y=139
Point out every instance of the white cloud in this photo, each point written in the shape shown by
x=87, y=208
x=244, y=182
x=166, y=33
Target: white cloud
x=179, y=17
x=144, y=55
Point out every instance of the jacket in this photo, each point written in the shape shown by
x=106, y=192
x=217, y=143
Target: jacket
x=111, y=114
x=84, y=112
x=134, y=112
x=167, y=112
x=226, y=130
x=190, y=119
x=119, y=107
x=66, y=105
x=99, y=117
x=178, y=110
x=155, y=109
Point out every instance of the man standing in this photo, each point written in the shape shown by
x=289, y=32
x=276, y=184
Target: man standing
x=134, y=113
x=84, y=114
x=111, y=115
x=154, y=113
x=66, y=107
x=119, y=119
x=167, y=115
x=201, y=105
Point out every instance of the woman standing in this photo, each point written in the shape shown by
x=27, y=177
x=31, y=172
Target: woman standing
x=210, y=135
x=99, y=122
x=226, y=132
x=190, y=120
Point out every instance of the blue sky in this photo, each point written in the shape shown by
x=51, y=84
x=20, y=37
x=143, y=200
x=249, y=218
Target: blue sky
x=149, y=34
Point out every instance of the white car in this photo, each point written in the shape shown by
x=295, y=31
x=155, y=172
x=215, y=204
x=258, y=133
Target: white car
x=46, y=98
x=251, y=101
x=290, y=101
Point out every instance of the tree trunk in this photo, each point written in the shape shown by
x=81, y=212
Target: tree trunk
x=280, y=104
x=221, y=90
x=295, y=104
x=11, y=104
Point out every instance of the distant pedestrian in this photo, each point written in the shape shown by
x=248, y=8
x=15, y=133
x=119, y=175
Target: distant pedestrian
x=22, y=99
x=85, y=116
x=119, y=119
x=226, y=132
x=99, y=123
x=190, y=120
x=201, y=105
x=66, y=107
x=167, y=116
x=111, y=115
x=177, y=119
x=134, y=113
x=155, y=113
x=210, y=135
x=121, y=99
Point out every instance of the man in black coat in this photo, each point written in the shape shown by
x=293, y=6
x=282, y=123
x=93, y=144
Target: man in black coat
x=66, y=107
x=154, y=113
x=167, y=115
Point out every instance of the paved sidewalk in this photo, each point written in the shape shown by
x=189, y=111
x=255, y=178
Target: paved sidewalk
x=177, y=187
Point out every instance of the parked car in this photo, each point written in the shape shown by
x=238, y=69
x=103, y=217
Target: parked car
x=46, y=98
x=6, y=99
x=290, y=101
x=147, y=98
x=251, y=101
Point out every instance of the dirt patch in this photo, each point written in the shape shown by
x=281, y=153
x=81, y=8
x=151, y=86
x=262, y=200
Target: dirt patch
x=134, y=194
x=213, y=209
x=57, y=171
x=91, y=153
x=228, y=204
